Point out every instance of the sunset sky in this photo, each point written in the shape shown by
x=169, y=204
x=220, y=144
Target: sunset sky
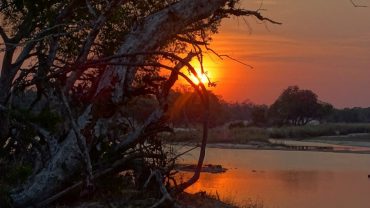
x=322, y=45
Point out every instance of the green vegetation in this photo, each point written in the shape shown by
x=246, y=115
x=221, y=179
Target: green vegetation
x=309, y=131
x=239, y=134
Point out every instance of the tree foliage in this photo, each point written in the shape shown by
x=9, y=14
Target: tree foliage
x=350, y=115
x=297, y=107
x=186, y=109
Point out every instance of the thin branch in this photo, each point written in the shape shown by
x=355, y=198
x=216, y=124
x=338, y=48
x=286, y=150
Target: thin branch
x=3, y=35
x=205, y=44
x=261, y=4
x=357, y=5
x=91, y=9
x=38, y=37
x=183, y=153
x=191, y=41
x=257, y=14
x=90, y=39
x=112, y=58
x=221, y=56
x=174, y=75
x=159, y=179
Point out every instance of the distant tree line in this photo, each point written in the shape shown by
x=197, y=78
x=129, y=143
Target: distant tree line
x=186, y=109
x=350, y=115
x=294, y=106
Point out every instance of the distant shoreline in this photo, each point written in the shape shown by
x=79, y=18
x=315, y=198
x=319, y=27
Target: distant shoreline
x=247, y=147
x=332, y=146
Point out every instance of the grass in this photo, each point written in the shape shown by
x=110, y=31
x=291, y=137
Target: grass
x=220, y=135
x=242, y=135
x=211, y=200
x=248, y=203
x=311, y=131
x=237, y=135
x=232, y=202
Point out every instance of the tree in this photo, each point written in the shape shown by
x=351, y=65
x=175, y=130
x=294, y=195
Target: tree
x=297, y=107
x=241, y=111
x=186, y=108
x=325, y=110
x=260, y=115
x=85, y=64
x=350, y=115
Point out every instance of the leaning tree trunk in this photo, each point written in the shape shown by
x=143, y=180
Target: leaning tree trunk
x=149, y=35
x=61, y=167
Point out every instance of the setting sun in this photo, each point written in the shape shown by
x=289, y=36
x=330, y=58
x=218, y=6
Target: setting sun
x=201, y=78
x=211, y=71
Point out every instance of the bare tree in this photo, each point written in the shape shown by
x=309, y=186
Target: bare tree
x=84, y=62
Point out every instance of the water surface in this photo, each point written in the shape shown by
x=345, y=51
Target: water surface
x=288, y=179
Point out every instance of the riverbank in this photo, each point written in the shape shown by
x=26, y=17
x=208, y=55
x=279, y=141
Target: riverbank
x=294, y=145
x=183, y=200
x=343, y=138
x=359, y=132
x=327, y=148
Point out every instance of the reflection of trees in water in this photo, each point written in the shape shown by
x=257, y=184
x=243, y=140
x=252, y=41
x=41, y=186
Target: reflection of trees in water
x=302, y=181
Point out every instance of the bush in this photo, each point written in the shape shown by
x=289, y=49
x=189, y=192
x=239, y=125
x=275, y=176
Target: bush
x=238, y=124
x=319, y=130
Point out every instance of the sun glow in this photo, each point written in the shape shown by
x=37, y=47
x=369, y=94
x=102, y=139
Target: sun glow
x=202, y=78
x=209, y=76
x=206, y=75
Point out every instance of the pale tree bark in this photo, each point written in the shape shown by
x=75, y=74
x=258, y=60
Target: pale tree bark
x=62, y=166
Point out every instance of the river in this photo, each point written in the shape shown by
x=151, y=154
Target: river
x=287, y=179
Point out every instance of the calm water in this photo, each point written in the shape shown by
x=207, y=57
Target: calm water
x=288, y=179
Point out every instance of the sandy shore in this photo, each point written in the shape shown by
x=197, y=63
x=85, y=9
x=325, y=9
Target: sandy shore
x=356, y=140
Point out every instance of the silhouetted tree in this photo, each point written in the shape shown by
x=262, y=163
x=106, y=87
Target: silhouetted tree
x=350, y=115
x=240, y=111
x=187, y=110
x=297, y=107
x=260, y=115
x=86, y=65
x=325, y=110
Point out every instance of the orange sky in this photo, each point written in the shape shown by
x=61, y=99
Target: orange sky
x=322, y=45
